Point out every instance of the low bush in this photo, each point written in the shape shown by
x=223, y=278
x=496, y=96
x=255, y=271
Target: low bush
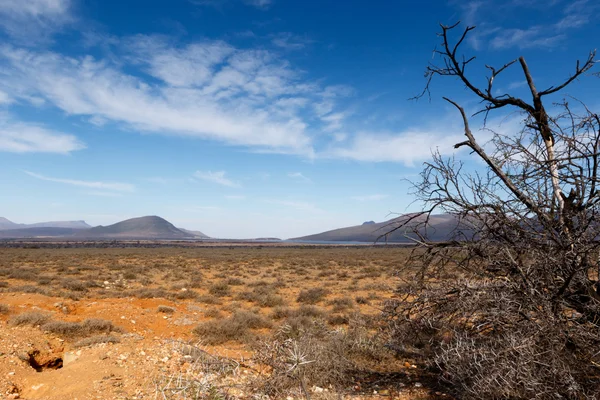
x=312, y=296
x=30, y=318
x=235, y=328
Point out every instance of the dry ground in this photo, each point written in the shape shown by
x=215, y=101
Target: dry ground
x=222, y=322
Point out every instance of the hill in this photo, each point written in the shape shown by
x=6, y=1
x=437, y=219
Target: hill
x=196, y=234
x=6, y=224
x=440, y=228
x=151, y=227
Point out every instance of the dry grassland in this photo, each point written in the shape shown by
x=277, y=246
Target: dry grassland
x=297, y=322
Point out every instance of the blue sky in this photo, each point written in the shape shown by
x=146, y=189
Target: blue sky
x=248, y=118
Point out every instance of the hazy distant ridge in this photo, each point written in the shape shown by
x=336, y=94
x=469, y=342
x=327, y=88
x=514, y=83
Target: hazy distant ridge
x=5, y=224
x=440, y=228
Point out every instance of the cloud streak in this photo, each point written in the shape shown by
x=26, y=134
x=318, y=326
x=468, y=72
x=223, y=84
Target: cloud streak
x=299, y=177
x=217, y=177
x=111, y=186
x=20, y=137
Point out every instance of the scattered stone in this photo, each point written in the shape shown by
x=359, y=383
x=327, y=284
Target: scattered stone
x=69, y=357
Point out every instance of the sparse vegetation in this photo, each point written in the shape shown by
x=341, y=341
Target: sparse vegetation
x=241, y=296
x=312, y=295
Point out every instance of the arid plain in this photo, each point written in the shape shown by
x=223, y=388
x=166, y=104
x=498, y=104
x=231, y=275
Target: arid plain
x=201, y=322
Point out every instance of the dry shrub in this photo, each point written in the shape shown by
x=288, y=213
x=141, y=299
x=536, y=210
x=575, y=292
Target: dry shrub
x=208, y=299
x=4, y=309
x=490, y=340
x=97, y=339
x=236, y=328
x=341, y=304
x=263, y=296
x=312, y=295
x=313, y=355
x=305, y=311
x=220, y=289
x=234, y=281
x=86, y=328
x=166, y=309
x=149, y=293
x=74, y=285
x=213, y=313
x=186, y=295
x=33, y=318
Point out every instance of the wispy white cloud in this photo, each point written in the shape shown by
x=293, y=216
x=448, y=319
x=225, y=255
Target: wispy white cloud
x=262, y=4
x=4, y=98
x=535, y=36
x=216, y=177
x=34, y=20
x=235, y=197
x=290, y=41
x=207, y=90
x=408, y=147
x=299, y=176
x=499, y=35
x=371, y=197
x=111, y=186
x=21, y=137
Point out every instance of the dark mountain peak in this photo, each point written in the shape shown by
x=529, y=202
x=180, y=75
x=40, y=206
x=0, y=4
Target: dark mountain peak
x=148, y=227
x=369, y=223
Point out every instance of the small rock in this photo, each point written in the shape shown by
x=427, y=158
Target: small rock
x=70, y=357
x=418, y=384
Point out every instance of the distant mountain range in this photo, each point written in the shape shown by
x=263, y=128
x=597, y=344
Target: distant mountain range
x=440, y=228
x=5, y=224
x=150, y=227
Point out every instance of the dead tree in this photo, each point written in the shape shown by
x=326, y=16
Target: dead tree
x=513, y=311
